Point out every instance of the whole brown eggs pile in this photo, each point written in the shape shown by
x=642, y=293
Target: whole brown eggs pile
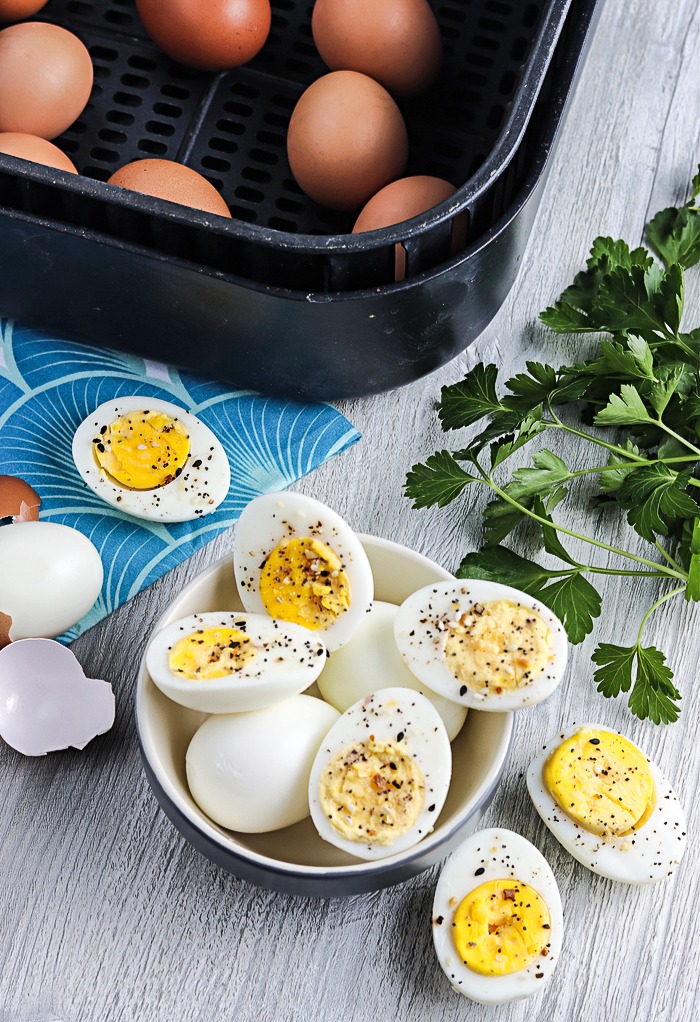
x=347, y=142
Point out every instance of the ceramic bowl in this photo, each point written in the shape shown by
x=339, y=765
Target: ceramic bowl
x=295, y=860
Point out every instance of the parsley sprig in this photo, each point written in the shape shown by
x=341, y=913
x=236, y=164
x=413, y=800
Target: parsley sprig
x=636, y=405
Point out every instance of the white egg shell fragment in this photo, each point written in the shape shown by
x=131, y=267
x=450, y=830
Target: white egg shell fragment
x=286, y=660
x=370, y=661
x=50, y=577
x=46, y=702
x=201, y=485
x=249, y=772
x=488, y=855
x=646, y=855
x=274, y=518
x=426, y=623
x=407, y=722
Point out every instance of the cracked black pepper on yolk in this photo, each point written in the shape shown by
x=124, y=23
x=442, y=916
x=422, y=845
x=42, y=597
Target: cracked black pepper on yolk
x=303, y=581
x=142, y=450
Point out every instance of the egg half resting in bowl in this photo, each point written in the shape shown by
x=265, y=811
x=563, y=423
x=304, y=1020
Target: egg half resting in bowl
x=152, y=459
x=482, y=644
x=608, y=805
x=296, y=559
x=230, y=662
x=497, y=918
x=381, y=774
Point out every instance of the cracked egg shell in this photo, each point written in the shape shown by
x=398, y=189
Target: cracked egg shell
x=381, y=775
x=46, y=701
x=479, y=908
x=650, y=849
x=296, y=559
x=19, y=502
x=51, y=576
x=482, y=644
x=230, y=662
x=158, y=461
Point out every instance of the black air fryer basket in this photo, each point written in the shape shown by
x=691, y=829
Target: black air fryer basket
x=283, y=298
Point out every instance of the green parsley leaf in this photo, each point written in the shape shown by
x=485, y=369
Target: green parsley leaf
x=549, y=472
x=474, y=397
x=655, y=495
x=552, y=543
x=615, y=672
x=675, y=235
x=610, y=482
x=692, y=589
x=654, y=697
x=575, y=602
x=499, y=564
x=500, y=518
x=536, y=385
x=439, y=481
x=624, y=409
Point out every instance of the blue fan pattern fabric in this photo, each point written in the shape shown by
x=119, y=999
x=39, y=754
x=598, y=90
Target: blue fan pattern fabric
x=48, y=386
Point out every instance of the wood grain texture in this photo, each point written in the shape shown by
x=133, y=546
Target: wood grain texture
x=107, y=915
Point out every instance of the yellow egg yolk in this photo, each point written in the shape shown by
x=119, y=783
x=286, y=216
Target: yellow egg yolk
x=211, y=653
x=142, y=450
x=497, y=646
x=303, y=581
x=601, y=781
x=372, y=792
x=501, y=927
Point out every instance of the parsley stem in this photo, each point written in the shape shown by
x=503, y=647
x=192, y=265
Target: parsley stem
x=678, y=437
x=666, y=572
x=655, y=606
x=625, y=571
x=630, y=455
x=664, y=553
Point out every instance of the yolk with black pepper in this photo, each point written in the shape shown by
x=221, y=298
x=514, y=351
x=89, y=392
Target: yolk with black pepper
x=602, y=781
x=211, y=653
x=303, y=581
x=501, y=927
x=142, y=450
x=373, y=791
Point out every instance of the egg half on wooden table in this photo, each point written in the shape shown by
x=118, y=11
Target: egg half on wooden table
x=608, y=805
x=497, y=918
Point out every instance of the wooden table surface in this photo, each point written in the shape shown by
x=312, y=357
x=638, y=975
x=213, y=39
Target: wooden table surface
x=108, y=915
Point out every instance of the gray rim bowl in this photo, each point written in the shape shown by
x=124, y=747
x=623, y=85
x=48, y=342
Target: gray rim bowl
x=295, y=860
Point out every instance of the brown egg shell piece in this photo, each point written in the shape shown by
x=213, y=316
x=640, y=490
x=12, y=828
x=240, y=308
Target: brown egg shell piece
x=18, y=500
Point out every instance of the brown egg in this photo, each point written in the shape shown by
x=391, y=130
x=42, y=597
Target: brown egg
x=18, y=500
x=396, y=42
x=17, y=10
x=45, y=79
x=166, y=179
x=211, y=35
x=403, y=199
x=35, y=149
x=346, y=140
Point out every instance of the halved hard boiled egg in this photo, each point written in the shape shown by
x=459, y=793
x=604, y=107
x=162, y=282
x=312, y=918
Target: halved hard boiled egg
x=231, y=662
x=370, y=661
x=497, y=918
x=608, y=805
x=482, y=644
x=380, y=778
x=297, y=560
x=152, y=459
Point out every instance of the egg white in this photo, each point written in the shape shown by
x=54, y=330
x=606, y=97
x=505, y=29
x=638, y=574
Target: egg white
x=272, y=517
x=391, y=714
x=249, y=772
x=291, y=661
x=198, y=490
x=644, y=856
x=370, y=661
x=421, y=637
x=495, y=854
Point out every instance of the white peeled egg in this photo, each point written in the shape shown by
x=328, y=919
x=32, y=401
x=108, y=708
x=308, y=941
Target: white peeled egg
x=647, y=852
x=50, y=577
x=481, y=904
x=191, y=490
x=381, y=775
x=231, y=662
x=249, y=772
x=296, y=559
x=482, y=644
x=370, y=661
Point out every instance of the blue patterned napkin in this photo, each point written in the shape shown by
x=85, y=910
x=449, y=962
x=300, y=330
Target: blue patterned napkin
x=48, y=386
